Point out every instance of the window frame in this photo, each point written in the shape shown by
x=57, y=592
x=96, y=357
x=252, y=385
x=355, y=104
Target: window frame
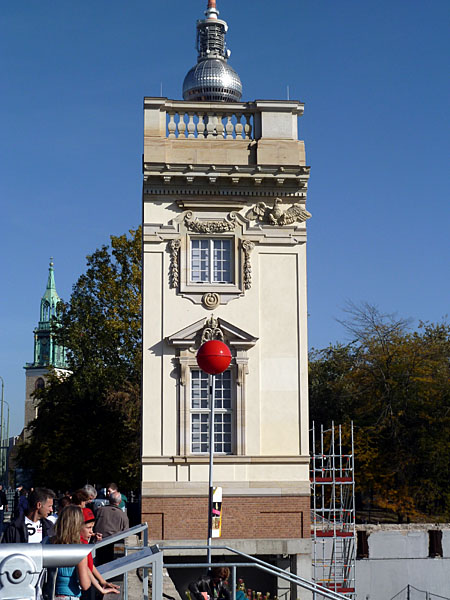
x=205, y=411
x=189, y=287
x=211, y=249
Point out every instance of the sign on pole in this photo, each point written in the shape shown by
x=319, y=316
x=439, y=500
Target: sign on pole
x=217, y=512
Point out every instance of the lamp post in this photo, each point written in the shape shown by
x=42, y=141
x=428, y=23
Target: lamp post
x=213, y=357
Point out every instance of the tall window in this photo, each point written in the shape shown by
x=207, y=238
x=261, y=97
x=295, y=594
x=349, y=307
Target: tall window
x=211, y=260
x=223, y=413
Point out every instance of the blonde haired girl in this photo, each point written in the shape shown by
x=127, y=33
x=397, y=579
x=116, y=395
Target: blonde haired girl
x=70, y=580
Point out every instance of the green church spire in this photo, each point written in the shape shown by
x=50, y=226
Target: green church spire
x=46, y=351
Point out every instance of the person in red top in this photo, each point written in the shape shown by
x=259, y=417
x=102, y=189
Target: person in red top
x=97, y=580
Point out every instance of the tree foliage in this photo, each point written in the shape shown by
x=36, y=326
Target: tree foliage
x=88, y=422
x=394, y=385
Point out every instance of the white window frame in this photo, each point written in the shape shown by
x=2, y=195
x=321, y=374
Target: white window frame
x=222, y=416
x=211, y=248
x=195, y=290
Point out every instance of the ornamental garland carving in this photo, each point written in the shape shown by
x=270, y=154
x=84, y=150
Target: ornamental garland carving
x=211, y=330
x=247, y=247
x=174, y=269
x=277, y=215
x=216, y=226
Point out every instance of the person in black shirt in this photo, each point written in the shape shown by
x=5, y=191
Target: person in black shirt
x=212, y=584
x=33, y=526
x=3, y=507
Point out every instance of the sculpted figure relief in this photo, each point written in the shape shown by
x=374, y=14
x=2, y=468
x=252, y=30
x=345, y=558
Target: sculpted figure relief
x=277, y=215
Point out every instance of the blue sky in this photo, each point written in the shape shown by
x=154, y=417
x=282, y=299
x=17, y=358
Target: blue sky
x=374, y=79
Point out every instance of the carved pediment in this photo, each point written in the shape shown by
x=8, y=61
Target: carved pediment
x=195, y=334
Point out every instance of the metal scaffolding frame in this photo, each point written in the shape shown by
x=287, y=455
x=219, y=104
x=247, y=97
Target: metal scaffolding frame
x=333, y=529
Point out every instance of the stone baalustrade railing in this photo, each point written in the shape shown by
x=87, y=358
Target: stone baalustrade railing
x=179, y=119
x=221, y=124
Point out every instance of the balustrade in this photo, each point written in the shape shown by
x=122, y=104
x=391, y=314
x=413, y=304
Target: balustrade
x=221, y=125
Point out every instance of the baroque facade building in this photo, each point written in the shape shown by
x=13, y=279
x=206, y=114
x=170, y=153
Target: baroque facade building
x=224, y=257
x=47, y=353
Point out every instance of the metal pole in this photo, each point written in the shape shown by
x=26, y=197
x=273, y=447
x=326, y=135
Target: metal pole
x=212, y=394
x=125, y=575
x=145, y=573
x=6, y=448
x=2, y=431
x=233, y=582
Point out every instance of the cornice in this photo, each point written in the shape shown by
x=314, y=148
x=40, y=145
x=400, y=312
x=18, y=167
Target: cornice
x=177, y=460
x=225, y=180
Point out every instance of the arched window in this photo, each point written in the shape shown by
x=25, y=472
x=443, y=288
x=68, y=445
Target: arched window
x=46, y=314
x=40, y=384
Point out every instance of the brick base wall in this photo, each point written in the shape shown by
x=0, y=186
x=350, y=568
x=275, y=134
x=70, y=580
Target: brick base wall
x=267, y=517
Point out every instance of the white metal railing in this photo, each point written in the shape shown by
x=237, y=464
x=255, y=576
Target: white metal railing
x=317, y=589
x=224, y=124
x=133, y=561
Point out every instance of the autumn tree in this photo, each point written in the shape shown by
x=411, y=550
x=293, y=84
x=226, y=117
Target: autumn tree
x=88, y=422
x=394, y=384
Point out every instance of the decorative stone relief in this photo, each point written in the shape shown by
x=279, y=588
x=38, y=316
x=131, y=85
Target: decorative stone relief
x=174, y=270
x=217, y=226
x=277, y=215
x=211, y=330
x=211, y=300
x=247, y=247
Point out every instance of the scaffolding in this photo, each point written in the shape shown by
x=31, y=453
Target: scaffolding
x=333, y=528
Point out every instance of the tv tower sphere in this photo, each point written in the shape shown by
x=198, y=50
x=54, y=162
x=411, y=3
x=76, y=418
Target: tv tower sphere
x=212, y=79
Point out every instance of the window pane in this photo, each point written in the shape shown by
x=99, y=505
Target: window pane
x=223, y=391
x=221, y=261
x=199, y=390
x=200, y=433
x=222, y=433
x=199, y=261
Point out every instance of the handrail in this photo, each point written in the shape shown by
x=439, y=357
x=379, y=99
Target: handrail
x=116, y=537
x=291, y=577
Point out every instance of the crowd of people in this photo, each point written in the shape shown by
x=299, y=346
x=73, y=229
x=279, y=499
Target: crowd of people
x=83, y=516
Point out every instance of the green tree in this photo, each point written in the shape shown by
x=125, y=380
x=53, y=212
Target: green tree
x=394, y=384
x=88, y=422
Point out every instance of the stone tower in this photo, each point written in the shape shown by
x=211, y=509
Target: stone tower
x=47, y=353
x=224, y=254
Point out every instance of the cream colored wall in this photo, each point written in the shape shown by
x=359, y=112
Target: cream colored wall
x=273, y=310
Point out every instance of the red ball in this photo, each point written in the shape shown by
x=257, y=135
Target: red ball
x=214, y=357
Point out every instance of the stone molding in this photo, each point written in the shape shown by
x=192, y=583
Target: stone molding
x=247, y=247
x=225, y=180
x=211, y=331
x=186, y=342
x=174, y=267
x=217, y=226
x=211, y=300
x=204, y=459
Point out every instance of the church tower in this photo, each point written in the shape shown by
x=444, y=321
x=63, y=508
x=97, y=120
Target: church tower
x=47, y=353
x=224, y=256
